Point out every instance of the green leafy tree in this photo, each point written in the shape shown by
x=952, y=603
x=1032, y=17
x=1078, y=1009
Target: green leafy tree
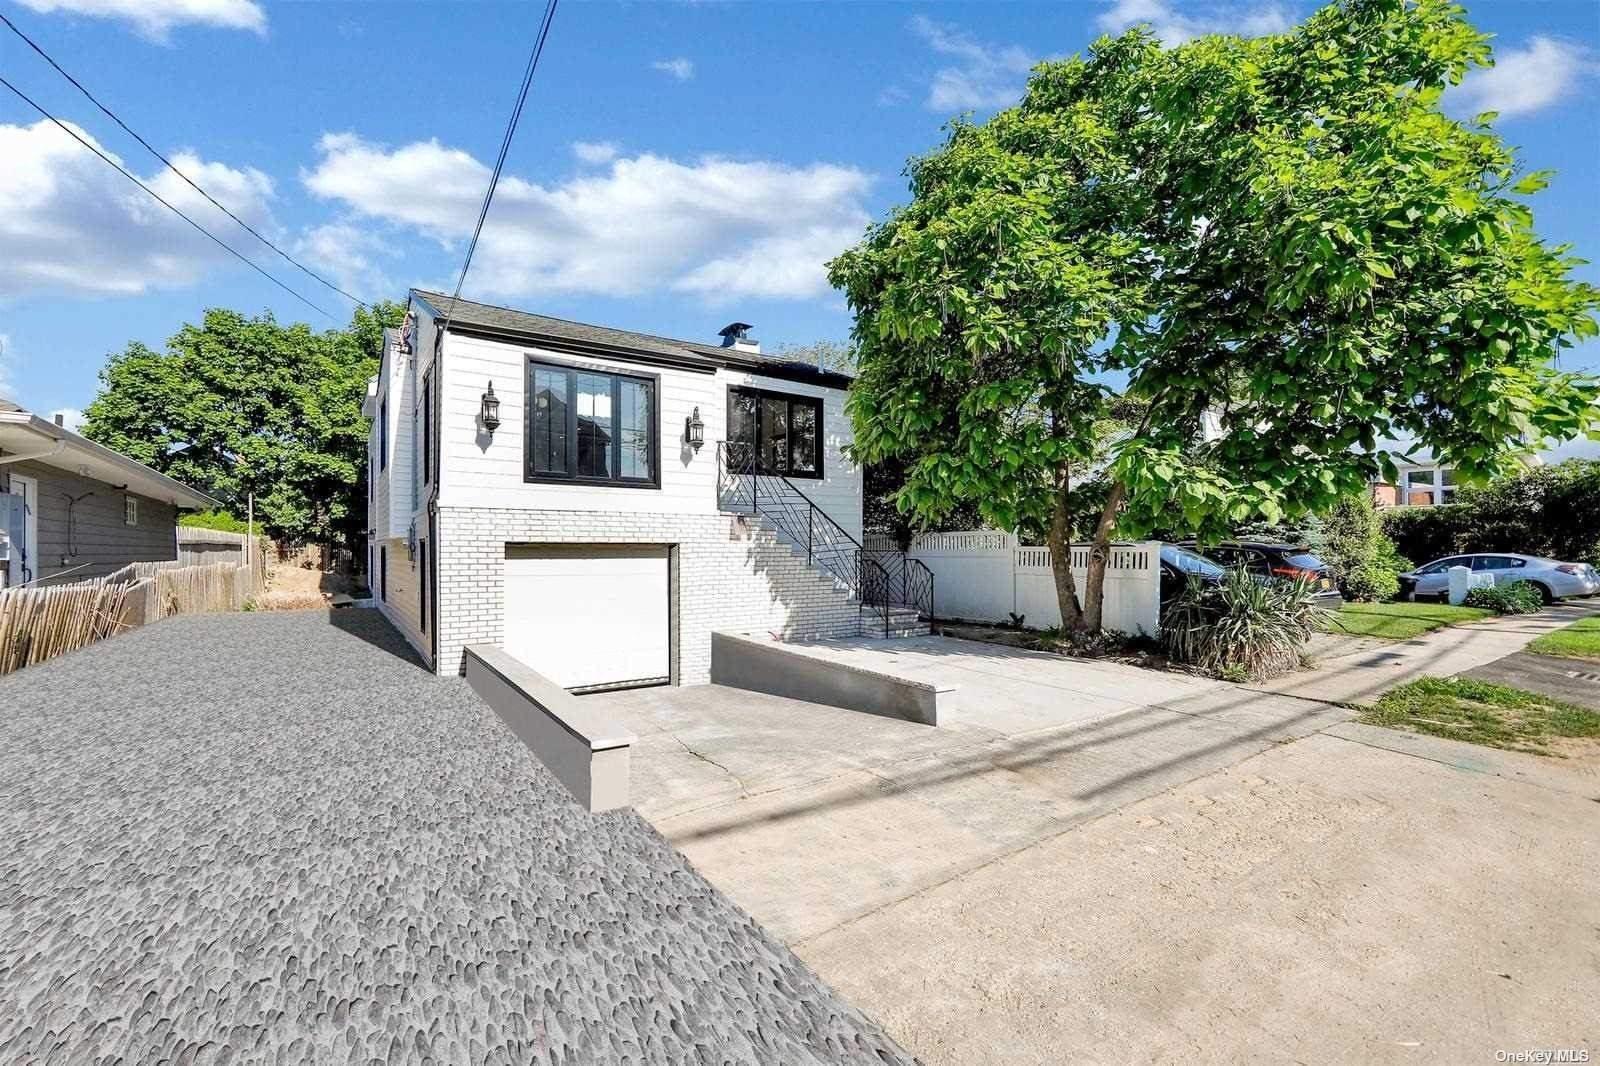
x=238, y=405
x=1282, y=242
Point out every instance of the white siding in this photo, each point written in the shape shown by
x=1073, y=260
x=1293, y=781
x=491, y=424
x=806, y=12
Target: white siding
x=402, y=604
x=483, y=470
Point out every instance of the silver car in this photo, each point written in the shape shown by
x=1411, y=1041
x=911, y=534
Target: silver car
x=1553, y=579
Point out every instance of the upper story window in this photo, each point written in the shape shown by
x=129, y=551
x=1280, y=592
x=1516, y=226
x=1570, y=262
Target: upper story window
x=1429, y=485
x=784, y=431
x=590, y=426
x=383, y=434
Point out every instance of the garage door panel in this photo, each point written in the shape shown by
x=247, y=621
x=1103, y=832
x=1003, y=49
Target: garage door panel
x=586, y=615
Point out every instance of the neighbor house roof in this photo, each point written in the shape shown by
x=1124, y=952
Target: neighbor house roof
x=23, y=433
x=467, y=316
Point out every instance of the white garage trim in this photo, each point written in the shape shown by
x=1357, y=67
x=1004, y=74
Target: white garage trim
x=590, y=616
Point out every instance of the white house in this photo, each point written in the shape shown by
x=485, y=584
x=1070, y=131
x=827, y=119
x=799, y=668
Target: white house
x=598, y=502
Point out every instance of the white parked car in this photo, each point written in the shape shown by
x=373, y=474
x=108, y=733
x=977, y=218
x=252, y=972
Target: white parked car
x=1554, y=580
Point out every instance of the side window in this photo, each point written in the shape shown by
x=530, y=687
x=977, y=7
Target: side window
x=383, y=573
x=383, y=434
x=427, y=426
x=130, y=511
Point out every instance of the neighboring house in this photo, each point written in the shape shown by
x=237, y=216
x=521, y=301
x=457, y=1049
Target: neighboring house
x=536, y=483
x=72, y=509
x=1426, y=482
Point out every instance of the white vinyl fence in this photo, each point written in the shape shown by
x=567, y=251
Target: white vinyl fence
x=987, y=576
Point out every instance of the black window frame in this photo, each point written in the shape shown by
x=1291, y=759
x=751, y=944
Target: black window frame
x=427, y=426
x=383, y=573
x=652, y=382
x=383, y=434
x=793, y=399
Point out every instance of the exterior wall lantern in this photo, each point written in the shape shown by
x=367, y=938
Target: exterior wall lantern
x=490, y=412
x=694, y=430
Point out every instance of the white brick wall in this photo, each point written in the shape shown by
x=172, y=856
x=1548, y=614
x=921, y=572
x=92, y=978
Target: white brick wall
x=731, y=574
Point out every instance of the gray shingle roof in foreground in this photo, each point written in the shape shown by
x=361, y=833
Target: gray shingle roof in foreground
x=268, y=838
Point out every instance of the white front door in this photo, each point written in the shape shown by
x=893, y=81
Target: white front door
x=590, y=615
x=28, y=489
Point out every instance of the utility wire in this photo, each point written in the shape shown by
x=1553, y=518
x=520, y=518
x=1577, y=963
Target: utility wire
x=31, y=43
x=505, y=147
x=164, y=203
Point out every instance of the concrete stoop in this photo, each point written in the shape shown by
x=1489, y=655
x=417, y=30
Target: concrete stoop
x=902, y=622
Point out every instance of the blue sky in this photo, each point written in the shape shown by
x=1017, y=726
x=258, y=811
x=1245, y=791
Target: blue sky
x=679, y=165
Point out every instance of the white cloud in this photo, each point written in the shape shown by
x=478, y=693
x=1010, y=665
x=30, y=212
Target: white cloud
x=156, y=18
x=350, y=252
x=595, y=151
x=715, y=227
x=1174, y=27
x=68, y=222
x=71, y=417
x=1524, y=80
x=679, y=67
x=984, y=76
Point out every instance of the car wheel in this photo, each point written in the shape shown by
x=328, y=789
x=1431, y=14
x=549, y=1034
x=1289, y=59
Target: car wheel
x=1544, y=592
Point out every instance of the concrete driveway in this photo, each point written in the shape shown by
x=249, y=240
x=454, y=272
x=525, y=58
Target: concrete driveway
x=810, y=816
x=1066, y=873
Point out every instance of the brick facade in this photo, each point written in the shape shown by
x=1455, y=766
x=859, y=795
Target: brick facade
x=729, y=573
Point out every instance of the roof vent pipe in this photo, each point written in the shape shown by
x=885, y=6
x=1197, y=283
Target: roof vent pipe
x=736, y=335
x=61, y=420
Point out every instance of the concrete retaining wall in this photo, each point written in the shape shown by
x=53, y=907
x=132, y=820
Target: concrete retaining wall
x=762, y=665
x=586, y=750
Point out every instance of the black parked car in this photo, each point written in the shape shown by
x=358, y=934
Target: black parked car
x=1178, y=564
x=1269, y=560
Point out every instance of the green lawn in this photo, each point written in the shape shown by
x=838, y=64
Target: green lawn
x=1482, y=713
x=1398, y=621
x=1580, y=640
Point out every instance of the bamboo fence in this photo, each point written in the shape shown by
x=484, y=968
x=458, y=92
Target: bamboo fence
x=40, y=623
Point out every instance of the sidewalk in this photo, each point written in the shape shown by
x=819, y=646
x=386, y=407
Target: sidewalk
x=1370, y=668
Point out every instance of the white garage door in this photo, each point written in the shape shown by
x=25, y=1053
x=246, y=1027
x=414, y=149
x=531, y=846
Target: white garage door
x=589, y=615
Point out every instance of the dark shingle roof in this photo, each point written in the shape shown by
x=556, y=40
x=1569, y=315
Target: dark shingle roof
x=470, y=316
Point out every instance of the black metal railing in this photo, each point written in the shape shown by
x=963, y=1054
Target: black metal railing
x=880, y=580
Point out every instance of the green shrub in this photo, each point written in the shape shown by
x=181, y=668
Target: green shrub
x=1242, y=628
x=218, y=519
x=1364, y=560
x=1369, y=582
x=1519, y=597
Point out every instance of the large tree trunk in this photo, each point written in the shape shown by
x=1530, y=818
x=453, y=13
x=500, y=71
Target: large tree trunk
x=1094, y=582
x=1060, y=541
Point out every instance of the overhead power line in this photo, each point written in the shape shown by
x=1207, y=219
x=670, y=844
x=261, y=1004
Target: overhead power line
x=112, y=115
x=120, y=169
x=505, y=147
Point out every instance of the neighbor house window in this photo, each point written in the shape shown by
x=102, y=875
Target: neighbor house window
x=130, y=511
x=783, y=432
x=383, y=434
x=1428, y=486
x=590, y=426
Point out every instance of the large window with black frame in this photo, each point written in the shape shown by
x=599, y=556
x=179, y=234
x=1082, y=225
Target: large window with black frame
x=780, y=431
x=591, y=426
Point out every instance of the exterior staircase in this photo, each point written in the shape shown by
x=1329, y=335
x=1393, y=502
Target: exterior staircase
x=893, y=592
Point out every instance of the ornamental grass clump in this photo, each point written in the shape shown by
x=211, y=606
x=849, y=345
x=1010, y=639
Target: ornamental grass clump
x=1241, y=628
